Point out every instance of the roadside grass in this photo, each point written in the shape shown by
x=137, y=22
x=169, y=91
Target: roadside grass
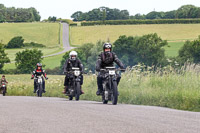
x=44, y=33
x=165, y=88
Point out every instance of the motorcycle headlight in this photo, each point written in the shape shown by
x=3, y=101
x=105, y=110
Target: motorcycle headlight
x=76, y=73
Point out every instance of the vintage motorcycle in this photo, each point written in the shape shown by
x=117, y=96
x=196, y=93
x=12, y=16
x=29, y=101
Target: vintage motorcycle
x=74, y=87
x=39, y=81
x=110, y=90
x=3, y=88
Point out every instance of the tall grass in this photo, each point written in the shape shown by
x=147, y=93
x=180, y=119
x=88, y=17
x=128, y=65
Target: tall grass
x=166, y=87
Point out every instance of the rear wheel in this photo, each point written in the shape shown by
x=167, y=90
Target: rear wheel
x=114, y=96
x=78, y=91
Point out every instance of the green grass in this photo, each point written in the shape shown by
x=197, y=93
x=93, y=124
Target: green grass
x=53, y=61
x=178, y=91
x=172, y=49
x=171, y=32
x=44, y=33
x=50, y=62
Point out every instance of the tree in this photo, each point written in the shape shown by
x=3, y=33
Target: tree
x=27, y=60
x=3, y=57
x=77, y=16
x=52, y=18
x=190, y=52
x=183, y=11
x=147, y=49
x=16, y=42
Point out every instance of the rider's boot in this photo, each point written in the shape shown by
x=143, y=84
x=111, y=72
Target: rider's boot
x=99, y=91
x=82, y=92
x=6, y=89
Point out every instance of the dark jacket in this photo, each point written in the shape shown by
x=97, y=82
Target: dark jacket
x=107, y=59
x=40, y=72
x=70, y=63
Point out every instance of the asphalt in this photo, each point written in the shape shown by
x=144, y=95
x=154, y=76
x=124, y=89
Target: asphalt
x=20, y=114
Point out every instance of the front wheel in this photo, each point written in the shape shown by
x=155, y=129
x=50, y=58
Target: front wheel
x=78, y=91
x=39, y=91
x=115, y=93
x=103, y=99
x=4, y=93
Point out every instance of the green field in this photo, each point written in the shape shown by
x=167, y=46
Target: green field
x=175, y=34
x=178, y=91
x=50, y=62
x=44, y=33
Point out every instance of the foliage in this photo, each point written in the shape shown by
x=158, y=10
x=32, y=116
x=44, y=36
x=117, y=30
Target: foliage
x=16, y=42
x=147, y=49
x=18, y=14
x=101, y=13
x=33, y=44
x=3, y=57
x=27, y=60
x=190, y=52
x=143, y=21
x=105, y=13
x=52, y=19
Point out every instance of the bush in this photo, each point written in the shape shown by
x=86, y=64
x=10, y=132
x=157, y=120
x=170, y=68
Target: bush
x=145, y=21
x=190, y=52
x=16, y=42
x=33, y=44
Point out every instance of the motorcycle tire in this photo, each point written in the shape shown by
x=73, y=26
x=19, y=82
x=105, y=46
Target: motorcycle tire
x=114, y=96
x=78, y=91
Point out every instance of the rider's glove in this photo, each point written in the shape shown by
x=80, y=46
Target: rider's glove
x=47, y=78
x=31, y=77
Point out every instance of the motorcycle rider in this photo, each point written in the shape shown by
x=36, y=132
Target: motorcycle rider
x=38, y=72
x=106, y=59
x=72, y=61
x=3, y=80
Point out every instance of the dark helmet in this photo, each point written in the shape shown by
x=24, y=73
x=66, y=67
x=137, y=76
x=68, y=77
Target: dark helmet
x=39, y=65
x=107, y=46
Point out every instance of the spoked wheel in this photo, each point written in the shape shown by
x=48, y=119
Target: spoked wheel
x=114, y=96
x=78, y=91
x=39, y=91
x=70, y=98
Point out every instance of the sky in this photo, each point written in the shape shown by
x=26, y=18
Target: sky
x=65, y=8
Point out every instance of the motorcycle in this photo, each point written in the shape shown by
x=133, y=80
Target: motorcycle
x=74, y=87
x=110, y=90
x=3, y=88
x=39, y=81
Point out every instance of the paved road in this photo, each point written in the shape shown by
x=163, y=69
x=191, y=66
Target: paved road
x=58, y=115
x=66, y=45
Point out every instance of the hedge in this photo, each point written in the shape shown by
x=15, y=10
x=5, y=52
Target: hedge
x=145, y=21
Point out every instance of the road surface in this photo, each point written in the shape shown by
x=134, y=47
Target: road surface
x=20, y=114
x=66, y=44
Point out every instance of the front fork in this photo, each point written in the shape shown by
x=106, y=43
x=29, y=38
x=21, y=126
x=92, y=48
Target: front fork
x=109, y=89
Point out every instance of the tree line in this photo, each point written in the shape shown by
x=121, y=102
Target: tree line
x=13, y=14
x=105, y=13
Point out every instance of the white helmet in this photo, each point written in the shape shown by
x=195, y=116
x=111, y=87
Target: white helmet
x=73, y=55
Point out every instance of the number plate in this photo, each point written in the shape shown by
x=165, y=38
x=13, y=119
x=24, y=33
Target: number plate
x=112, y=72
